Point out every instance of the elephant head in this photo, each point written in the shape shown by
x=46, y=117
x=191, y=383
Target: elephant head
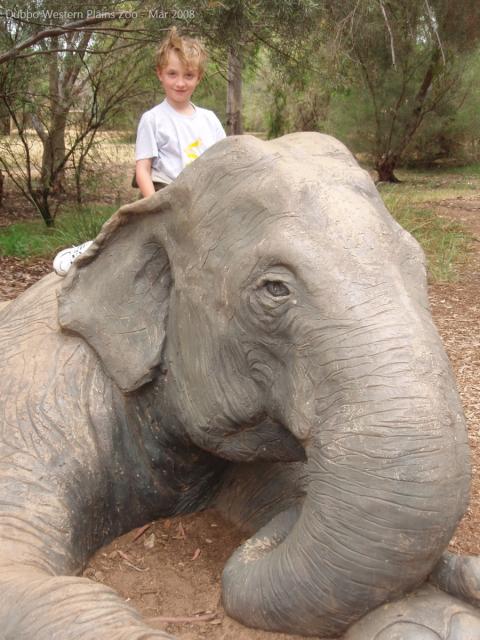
x=269, y=302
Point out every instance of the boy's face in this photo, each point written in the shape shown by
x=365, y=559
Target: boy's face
x=178, y=81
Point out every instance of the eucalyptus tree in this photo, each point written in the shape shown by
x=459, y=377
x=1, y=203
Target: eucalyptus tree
x=56, y=63
x=407, y=60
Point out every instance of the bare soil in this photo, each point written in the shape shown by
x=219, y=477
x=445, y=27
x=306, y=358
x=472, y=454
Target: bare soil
x=170, y=570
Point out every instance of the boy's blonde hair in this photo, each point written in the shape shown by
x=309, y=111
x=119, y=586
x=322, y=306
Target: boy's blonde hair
x=190, y=51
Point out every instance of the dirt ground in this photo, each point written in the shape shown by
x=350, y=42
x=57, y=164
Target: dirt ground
x=456, y=310
x=171, y=570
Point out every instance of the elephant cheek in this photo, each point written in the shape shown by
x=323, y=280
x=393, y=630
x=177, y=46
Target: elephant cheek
x=208, y=384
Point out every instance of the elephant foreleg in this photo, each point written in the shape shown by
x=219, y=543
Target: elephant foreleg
x=36, y=605
x=459, y=576
x=426, y=614
x=42, y=543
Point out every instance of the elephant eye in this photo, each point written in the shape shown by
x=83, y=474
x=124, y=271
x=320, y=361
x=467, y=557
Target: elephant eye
x=276, y=288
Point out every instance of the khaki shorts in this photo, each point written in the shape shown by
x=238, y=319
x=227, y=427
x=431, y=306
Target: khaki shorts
x=157, y=185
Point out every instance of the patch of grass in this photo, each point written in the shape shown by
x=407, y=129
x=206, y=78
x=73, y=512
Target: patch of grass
x=126, y=137
x=445, y=242
x=33, y=238
x=413, y=203
x=434, y=185
x=469, y=170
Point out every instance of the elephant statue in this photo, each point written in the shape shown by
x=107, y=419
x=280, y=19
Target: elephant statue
x=255, y=336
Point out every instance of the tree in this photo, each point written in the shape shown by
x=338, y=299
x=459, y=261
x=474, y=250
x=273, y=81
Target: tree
x=64, y=64
x=78, y=64
x=18, y=156
x=405, y=59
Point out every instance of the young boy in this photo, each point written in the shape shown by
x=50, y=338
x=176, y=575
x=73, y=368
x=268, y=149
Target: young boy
x=172, y=134
x=175, y=132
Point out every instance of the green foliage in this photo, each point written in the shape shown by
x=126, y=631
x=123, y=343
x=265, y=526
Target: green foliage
x=292, y=85
x=211, y=91
x=26, y=239
x=241, y=31
x=407, y=62
x=450, y=132
x=467, y=117
x=255, y=92
x=146, y=91
x=246, y=23
x=350, y=118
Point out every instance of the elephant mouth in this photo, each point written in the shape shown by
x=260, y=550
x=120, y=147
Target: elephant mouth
x=265, y=440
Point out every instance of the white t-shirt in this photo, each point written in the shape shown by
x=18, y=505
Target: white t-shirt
x=174, y=140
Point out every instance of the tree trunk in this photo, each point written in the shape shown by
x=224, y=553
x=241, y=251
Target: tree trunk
x=234, y=92
x=385, y=167
x=42, y=202
x=63, y=76
x=54, y=136
x=4, y=120
x=54, y=151
x=1, y=189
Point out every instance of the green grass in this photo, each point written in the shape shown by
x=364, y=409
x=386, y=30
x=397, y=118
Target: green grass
x=445, y=243
x=469, y=170
x=33, y=238
x=413, y=204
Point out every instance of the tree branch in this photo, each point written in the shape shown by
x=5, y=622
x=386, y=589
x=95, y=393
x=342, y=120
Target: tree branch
x=434, y=27
x=385, y=17
x=57, y=31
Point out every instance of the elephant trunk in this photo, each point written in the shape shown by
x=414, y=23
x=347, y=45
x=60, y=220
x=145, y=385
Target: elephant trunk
x=388, y=481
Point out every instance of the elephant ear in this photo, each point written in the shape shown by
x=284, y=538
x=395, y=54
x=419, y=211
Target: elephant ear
x=116, y=295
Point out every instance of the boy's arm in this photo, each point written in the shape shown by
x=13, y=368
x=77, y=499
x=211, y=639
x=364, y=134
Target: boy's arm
x=143, y=174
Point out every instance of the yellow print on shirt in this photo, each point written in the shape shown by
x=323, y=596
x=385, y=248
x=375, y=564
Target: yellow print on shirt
x=192, y=150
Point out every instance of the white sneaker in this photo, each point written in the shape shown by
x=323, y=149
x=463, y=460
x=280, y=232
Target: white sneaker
x=64, y=259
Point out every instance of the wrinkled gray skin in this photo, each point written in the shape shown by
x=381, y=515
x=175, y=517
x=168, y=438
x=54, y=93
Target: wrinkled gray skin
x=263, y=309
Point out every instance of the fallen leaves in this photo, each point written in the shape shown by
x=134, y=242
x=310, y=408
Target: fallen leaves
x=16, y=275
x=196, y=553
x=149, y=541
x=129, y=563
x=456, y=311
x=180, y=533
x=138, y=533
